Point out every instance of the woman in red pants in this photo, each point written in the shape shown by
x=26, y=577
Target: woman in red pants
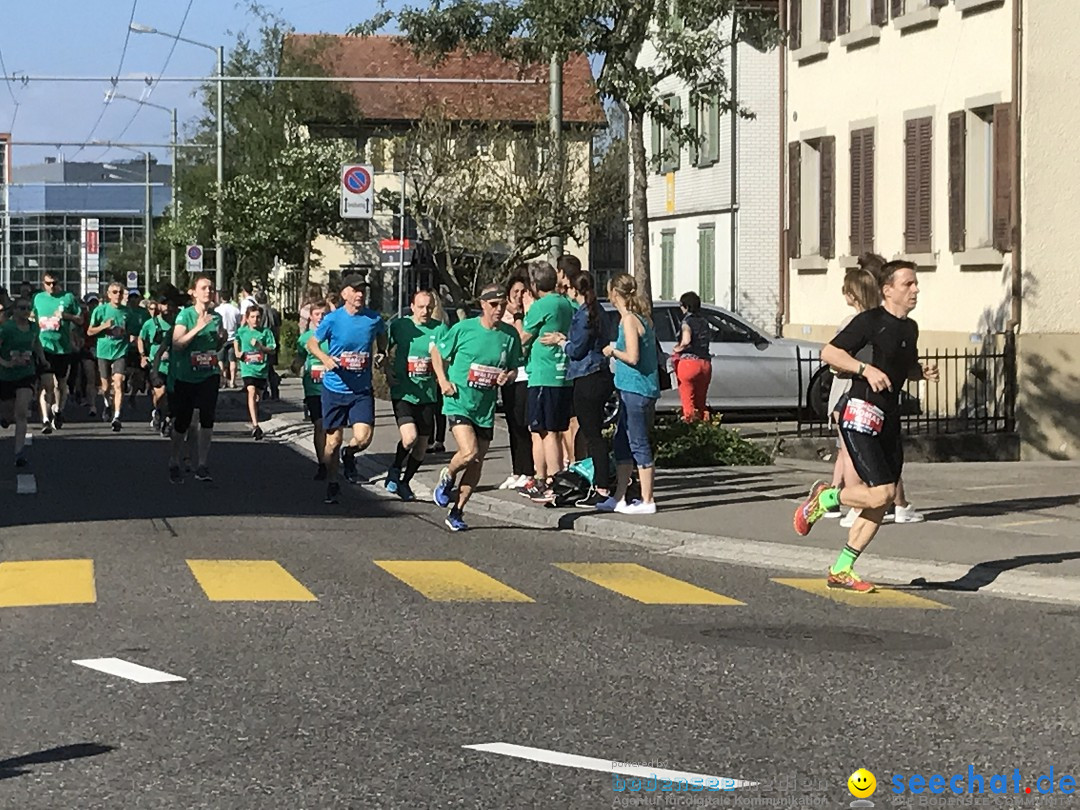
x=693, y=366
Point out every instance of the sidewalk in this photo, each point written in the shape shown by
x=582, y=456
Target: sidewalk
x=1004, y=528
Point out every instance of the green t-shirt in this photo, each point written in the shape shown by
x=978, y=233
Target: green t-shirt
x=55, y=331
x=546, y=365
x=313, y=369
x=17, y=346
x=254, y=361
x=475, y=356
x=574, y=304
x=153, y=333
x=113, y=343
x=414, y=377
x=138, y=316
x=198, y=360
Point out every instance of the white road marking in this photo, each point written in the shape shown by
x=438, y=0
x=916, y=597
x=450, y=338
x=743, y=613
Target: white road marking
x=126, y=669
x=25, y=484
x=606, y=765
x=1029, y=522
x=29, y=438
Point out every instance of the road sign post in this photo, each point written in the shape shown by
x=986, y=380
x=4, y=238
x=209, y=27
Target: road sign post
x=357, y=191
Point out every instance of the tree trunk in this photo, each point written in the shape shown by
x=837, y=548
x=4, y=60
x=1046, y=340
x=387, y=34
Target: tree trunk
x=308, y=235
x=639, y=209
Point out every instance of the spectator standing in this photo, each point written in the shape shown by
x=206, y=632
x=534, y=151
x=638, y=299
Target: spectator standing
x=230, y=320
x=515, y=394
x=693, y=359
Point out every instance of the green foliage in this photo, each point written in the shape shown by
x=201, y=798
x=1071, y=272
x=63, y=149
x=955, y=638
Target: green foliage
x=704, y=444
x=290, y=333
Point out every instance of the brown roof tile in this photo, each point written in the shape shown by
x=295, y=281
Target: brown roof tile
x=396, y=101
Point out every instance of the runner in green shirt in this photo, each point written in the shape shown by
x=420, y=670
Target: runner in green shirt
x=193, y=363
x=139, y=312
x=312, y=379
x=474, y=359
x=55, y=311
x=21, y=356
x=413, y=389
x=156, y=333
x=254, y=345
x=110, y=323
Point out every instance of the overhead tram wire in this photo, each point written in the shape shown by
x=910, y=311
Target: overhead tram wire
x=112, y=79
x=161, y=73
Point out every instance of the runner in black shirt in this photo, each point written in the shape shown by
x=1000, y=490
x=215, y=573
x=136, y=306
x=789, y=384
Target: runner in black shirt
x=870, y=416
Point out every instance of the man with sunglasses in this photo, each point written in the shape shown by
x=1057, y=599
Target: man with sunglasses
x=111, y=324
x=55, y=311
x=475, y=358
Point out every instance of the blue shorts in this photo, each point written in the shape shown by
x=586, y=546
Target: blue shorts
x=346, y=410
x=550, y=408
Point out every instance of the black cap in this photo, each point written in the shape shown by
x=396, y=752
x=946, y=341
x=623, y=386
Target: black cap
x=356, y=281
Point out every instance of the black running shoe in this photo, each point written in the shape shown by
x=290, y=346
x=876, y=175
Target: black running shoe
x=116, y=426
x=348, y=464
x=58, y=420
x=332, y=492
x=175, y=476
x=257, y=433
x=203, y=474
x=46, y=428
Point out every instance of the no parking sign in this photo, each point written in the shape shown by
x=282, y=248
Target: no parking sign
x=357, y=191
x=194, y=259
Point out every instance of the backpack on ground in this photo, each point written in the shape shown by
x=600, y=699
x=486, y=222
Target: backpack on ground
x=569, y=487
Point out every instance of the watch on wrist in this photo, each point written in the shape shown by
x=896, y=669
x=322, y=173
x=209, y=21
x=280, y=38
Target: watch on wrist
x=862, y=368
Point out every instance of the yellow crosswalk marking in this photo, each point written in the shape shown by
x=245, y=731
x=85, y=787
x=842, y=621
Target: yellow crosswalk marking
x=248, y=581
x=881, y=598
x=645, y=585
x=450, y=581
x=47, y=582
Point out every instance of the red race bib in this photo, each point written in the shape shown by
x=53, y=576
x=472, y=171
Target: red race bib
x=316, y=372
x=483, y=376
x=201, y=361
x=354, y=361
x=862, y=417
x=419, y=366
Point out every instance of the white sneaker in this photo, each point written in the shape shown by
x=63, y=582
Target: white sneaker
x=636, y=508
x=848, y=520
x=509, y=483
x=909, y=514
x=832, y=514
x=610, y=505
x=520, y=482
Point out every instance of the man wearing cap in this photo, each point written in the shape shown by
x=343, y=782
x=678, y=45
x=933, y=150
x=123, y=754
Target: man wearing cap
x=351, y=331
x=475, y=358
x=55, y=311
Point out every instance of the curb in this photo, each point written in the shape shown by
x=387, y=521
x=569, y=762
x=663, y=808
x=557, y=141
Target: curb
x=777, y=557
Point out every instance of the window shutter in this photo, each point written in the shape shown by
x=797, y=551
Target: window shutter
x=938, y=3
x=673, y=145
x=957, y=181
x=795, y=24
x=828, y=20
x=1003, y=170
x=794, y=199
x=827, y=197
x=856, y=218
x=926, y=179
x=918, y=210
x=707, y=264
x=879, y=12
x=897, y=8
x=696, y=156
x=843, y=16
x=911, y=184
x=714, y=128
x=656, y=144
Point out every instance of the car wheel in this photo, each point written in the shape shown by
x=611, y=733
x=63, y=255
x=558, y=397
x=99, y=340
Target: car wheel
x=817, y=395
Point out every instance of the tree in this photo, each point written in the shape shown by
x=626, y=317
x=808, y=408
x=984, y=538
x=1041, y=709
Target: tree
x=486, y=197
x=614, y=32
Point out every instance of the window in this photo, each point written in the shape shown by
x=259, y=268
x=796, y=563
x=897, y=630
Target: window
x=918, y=185
x=707, y=263
x=727, y=330
x=855, y=15
x=667, y=265
x=666, y=151
x=980, y=178
x=664, y=321
x=862, y=191
x=705, y=123
x=811, y=209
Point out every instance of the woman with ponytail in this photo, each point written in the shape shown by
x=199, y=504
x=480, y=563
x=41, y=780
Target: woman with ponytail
x=637, y=380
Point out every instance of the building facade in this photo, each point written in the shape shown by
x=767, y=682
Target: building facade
x=713, y=208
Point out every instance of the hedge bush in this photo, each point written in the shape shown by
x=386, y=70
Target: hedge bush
x=290, y=333
x=704, y=443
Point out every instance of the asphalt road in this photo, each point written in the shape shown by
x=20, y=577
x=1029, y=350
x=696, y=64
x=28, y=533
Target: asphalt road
x=349, y=687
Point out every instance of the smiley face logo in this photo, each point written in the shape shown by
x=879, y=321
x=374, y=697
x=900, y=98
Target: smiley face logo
x=862, y=784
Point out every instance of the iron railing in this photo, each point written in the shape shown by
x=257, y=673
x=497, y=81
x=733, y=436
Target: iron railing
x=975, y=392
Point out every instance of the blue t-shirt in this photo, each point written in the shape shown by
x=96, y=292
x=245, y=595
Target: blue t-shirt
x=350, y=338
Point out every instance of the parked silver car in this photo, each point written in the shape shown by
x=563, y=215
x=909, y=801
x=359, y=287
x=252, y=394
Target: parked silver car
x=751, y=372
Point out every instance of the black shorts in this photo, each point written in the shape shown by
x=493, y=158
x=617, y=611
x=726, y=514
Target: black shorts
x=227, y=354
x=9, y=387
x=107, y=368
x=484, y=434
x=58, y=364
x=879, y=459
x=156, y=378
x=187, y=397
x=255, y=382
x=550, y=408
x=421, y=415
x=314, y=408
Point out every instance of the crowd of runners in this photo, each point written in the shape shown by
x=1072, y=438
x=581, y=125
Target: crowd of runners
x=542, y=341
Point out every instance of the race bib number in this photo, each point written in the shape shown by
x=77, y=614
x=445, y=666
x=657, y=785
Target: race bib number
x=862, y=417
x=254, y=357
x=22, y=358
x=201, y=361
x=316, y=372
x=355, y=361
x=117, y=332
x=50, y=324
x=483, y=376
x=419, y=366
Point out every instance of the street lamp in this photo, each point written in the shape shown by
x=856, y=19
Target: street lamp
x=139, y=28
x=148, y=216
x=175, y=168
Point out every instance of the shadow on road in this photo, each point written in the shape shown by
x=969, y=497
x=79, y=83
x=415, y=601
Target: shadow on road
x=999, y=508
x=17, y=766
x=986, y=572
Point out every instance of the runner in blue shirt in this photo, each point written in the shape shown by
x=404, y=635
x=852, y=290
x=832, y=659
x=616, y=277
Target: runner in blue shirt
x=351, y=331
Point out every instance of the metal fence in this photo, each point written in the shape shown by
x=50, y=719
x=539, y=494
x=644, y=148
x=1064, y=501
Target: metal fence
x=976, y=391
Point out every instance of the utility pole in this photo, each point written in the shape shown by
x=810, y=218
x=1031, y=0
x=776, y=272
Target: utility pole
x=220, y=252
x=148, y=228
x=174, y=180
x=555, y=115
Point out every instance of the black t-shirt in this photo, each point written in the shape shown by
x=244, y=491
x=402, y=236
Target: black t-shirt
x=894, y=342
x=699, y=337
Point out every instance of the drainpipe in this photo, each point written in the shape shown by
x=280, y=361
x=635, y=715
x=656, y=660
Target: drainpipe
x=783, y=308
x=734, y=299
x=1017, y=280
